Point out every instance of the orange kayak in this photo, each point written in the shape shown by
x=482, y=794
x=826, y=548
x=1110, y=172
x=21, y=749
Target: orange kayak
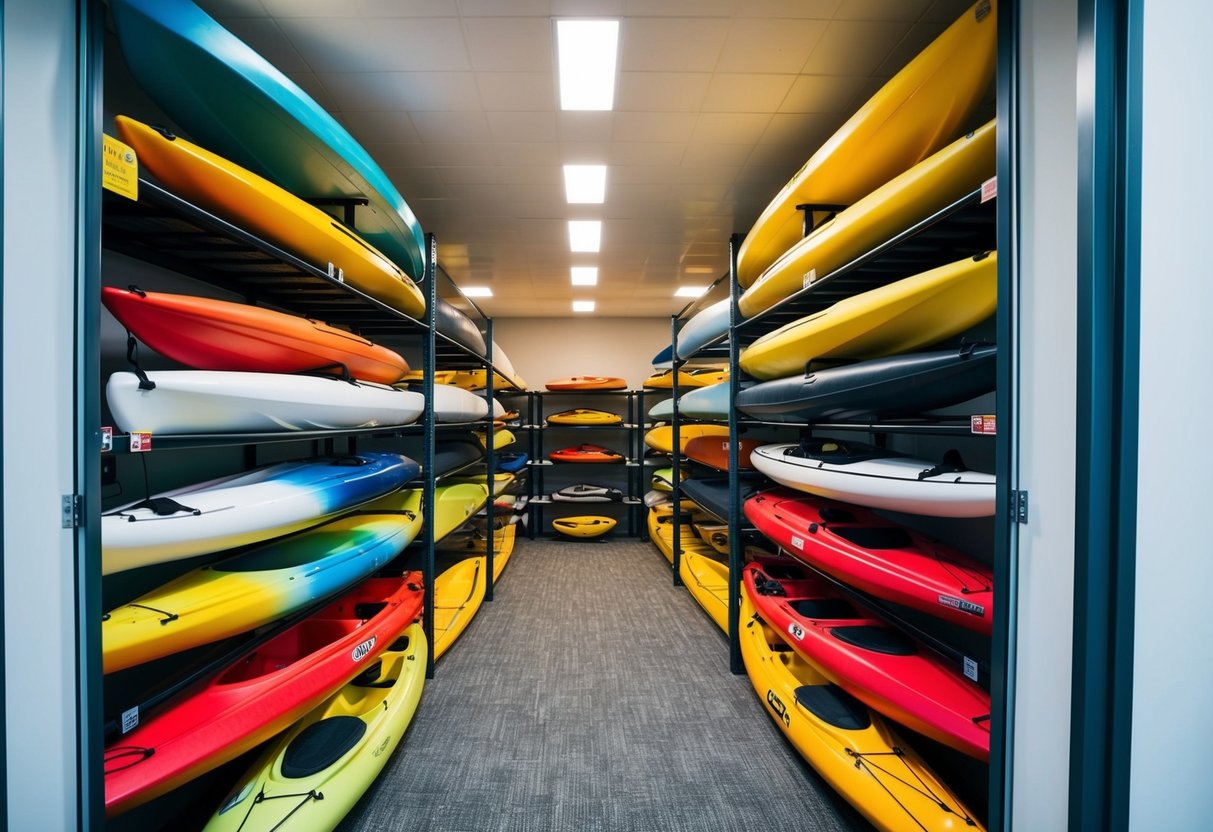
x=585, y=453
x=588, y=383
x=209, y=334
x=713, y=451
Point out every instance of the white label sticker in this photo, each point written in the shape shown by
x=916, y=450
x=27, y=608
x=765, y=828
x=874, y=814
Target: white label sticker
x=107, y=439
x=989, y=189
x=798, y=542
x=970, y=668
x=130, y=719
x=796, y=631
x=810, y=277
x=363, y=650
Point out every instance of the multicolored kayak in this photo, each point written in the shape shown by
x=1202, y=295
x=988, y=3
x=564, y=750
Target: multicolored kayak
x=584, y=525
x=212, y=401
x=866, y=475
x=311, y=777
x=584, y=416
x=245, y=508
x=280, y=217
x=885, y=560
x=908, y=119
x=853, y=749
x=261, y=693
x=458, y=593
x=585, y=452
x=878, y=665
x=588, y=383
x=209, y=334
x=259, y=586
x=236, y=103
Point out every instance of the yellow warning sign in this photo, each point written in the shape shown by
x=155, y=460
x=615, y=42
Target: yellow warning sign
x=119, y=168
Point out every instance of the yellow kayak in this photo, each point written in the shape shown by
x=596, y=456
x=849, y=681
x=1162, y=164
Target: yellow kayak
x=584, y=525
x=458, y=594
x=477, y=543
x=714, y=534
x=661, y=532
x=478, y=380
x=501, y=482
x=245, y=199
x=928, y=187
x=310, y=778
x=896, y=318
x=707, y=579
x=502, y=438
x=584, y=416
x=662, y=438
x=852, y=748
x=456, y=503
x=909, y=118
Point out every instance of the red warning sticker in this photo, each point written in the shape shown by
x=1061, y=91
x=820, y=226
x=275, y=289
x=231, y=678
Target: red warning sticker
x=989, y=189
x=982, y=424
x=107, y=439
x=141, y=442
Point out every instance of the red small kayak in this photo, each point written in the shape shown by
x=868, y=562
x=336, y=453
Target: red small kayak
x=261, y=693
x=885, y=560
x=713, y=451
x=209, y=334
x=585, y=453
x=588, y=383
x=875, y=663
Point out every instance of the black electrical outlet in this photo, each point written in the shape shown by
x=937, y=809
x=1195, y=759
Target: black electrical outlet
x=109, y=470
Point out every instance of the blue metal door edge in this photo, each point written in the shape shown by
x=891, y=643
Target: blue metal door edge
x=3, y=710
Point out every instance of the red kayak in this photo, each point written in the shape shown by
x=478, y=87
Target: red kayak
x=885, y=560
x=261, y=693
x=211, y=334
x=585, y=453
x=878, y=665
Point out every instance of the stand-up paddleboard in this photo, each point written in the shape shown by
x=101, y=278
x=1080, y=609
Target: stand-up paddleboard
x=662, y=438
x=262, y=692
x=259, y=586
x=454, y=505
x=205, y=401
x=459, y=328
x=905, y=315
x=458, y=593
x=878, y=478
x=908, y=119
x=585, y=452
x=257, y=205
x=705, y=326
x=712, y=493
x=312, y=776
x=707, y=579
x=245, y=508
x=236, y=103
x=897, y=386
x=928, y=187
x=877, y=664
x=879, y=557
x=587, y=383
x=584, y=525
x=209, y=334
x=587, y=493
x=584, y=416
x=853, y=749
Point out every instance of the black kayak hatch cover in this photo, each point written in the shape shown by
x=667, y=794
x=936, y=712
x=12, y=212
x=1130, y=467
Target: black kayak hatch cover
x=320, y=745
x=877, y=639
x=835, y=706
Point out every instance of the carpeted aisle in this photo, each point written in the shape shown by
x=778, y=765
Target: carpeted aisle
x=593, y=695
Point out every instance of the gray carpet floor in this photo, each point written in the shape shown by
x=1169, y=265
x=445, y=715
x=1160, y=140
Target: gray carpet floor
x=594, y=695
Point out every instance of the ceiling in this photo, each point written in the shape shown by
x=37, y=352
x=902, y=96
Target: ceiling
x=717, y=104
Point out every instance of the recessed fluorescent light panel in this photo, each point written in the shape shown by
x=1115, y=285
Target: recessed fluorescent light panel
x=690, y=291
x=585, y=235
x=586, y=52
x=478, y=291
x=585, y=184
x=585, y=275
x=583, y=306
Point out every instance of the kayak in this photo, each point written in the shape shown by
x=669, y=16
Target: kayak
x=451, y=455
x=588, y=383
x=455, y=504
x=713, y=451
x=511, y=462
x=662, y=438
x=502, y=438
x=261, y=693
x=877, y=664
x=712, y=493
x=458, y=593
x=715, y=534
x=460, y=329
x=663, y=478
x=584, y=416
x=587, y=493
x=585, y=453
x=259, y=586
x=584, y=526
x=707, y=579
x=311, y=777
x=705, y=327
x=245, y=508
x=661, y=532
x=872, y=554
x=853, y=749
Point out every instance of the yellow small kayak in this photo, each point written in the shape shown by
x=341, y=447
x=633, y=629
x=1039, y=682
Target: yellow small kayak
x=477, y=543
x=458, y=594
x=707, y=579
x=501, y=482
x=456, y=503
x=479, y=380
x=584, y=416
x=584, y=525
x=852, y=748
x=661, y=532
x=714, y=534
x=663, y=478
x=310, y=778
x=502, y=438
x=662, y=438
x=417, y=376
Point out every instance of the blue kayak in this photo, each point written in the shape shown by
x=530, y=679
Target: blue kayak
x=705, y=327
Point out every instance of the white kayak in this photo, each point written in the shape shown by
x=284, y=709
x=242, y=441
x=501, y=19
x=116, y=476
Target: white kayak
x=206, y=401
x=869, y=476
x=704, y=327
x=454, y=404
x=245, y=508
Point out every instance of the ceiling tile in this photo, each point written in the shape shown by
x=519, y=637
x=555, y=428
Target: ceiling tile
x=802, y=132
x=769, y=45
x=410, y=91
x=501, y=175
x=947, y=11
x=653, y=127
x=684, y=8
x=504, y=8
x=904, y=10
x=412, y=8
x=653, y=154
x=522, y=127
x=314, y=86
x=730, y=128
x=584, y=127
x=917, y=39
x=304, y=8
x=429, y=44
x=510, y=44
x=859, y=46
x=736, y=93
x=438, y=154
x=660, y=45
x=586, y=153
x=711, y=154
x=540, y=154
x=453, y=126
x=327, y=44
x=809, y=9
x=390, y=126
x=222, y=10
x=824, y=94
x=661, y=91
x=267, y=40
x=516, y=91
x=587, y=8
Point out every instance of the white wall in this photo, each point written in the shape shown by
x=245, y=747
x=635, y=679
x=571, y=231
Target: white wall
x=542, y=349
x=1046, y=321
x=1172, y=674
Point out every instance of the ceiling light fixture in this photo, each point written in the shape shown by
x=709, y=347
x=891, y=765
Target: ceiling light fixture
x=690, y=291
x=585, y=184
x=585, y=275
x=585, y=51
x=477, y=291
x=583, y=306
x=585, y=235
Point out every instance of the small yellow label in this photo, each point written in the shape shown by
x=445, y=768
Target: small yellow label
x=119, y=168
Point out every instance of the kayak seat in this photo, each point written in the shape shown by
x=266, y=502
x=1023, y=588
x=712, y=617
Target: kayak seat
x=320, y=745
x=877, y=639
x=876, y=537
x=833, y=514
x=835, y=706
x=824, y=608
